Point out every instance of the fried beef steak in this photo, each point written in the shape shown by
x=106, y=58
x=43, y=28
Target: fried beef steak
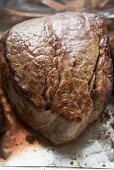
x=57, y=72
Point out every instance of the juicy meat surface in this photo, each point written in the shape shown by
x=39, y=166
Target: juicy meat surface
x=57, y=72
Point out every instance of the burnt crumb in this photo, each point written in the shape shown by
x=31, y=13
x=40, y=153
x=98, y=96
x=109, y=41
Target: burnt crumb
x=103, y=165
x=85, y=164
x=34, y=150
x=71, y=162
x=30, y=139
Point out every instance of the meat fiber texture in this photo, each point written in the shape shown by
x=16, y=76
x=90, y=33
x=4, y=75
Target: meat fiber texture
x=57, y=72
